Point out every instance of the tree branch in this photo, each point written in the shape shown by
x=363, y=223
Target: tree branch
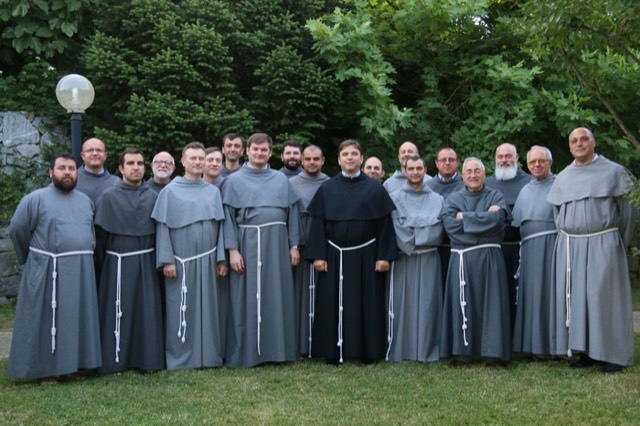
x=616, y=117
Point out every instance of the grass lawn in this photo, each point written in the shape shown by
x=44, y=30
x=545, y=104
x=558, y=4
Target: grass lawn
x=310, y=392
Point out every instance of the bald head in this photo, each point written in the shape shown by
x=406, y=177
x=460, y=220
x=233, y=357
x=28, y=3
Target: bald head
x=373, y=168
x=94, y=155
x=407, y=149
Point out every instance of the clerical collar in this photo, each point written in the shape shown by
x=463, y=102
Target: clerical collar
x=256, y=168
x=442, y=179
x=353, y=176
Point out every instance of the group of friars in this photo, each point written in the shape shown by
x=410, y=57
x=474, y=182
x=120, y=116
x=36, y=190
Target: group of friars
x=264, y=266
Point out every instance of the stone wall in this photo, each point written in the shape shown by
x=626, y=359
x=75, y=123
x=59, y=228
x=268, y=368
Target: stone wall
x=24, y=137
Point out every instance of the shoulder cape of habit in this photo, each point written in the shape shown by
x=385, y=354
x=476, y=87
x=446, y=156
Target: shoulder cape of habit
x=126, y=210
x=359, y=198
x=258, y=188
x=600, y=178
x=184, y=201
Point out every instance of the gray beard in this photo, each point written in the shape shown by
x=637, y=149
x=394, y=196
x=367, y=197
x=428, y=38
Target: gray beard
x=506, y=173
x=161, y=174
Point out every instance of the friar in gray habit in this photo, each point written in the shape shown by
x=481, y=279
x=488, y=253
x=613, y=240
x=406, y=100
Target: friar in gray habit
x=56, y=329
x=305, y=276
x=129, y=292
x=592, y=309
x=190, y=251
x=415, y=288
x=533, y=214
x=262, y=234
x=476, y=303
x=93, y=177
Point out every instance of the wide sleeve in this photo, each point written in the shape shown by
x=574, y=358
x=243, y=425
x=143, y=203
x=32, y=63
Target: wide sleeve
x=164, y=247
x=294, y=226
x=23, y=223
x=230, y=229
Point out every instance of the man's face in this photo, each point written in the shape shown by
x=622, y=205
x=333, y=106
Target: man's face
x=415, y=172
x=291, y=157
x=350, y=159
x=506, y=162
x=232, y=149
x=407, y=149
x=373, y=168
x=506, y=157
x=447, y=163
x=163, y=165
x=132, y=170
x=259, y=154
x=193, y=163
x=93, y=154
x=582, y=146
x=312, y=161
x=538, y=164
x=213, y=165
x=473, y=176
x=64, y=174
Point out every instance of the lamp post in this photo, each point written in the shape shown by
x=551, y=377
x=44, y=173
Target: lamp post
x=75, y=93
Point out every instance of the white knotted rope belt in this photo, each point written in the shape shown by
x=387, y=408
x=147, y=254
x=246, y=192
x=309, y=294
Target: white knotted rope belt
x=567, y=287
x=312, y=303
x=116, y=332
x=54, y=281
x=340, y=283
x=182, y=326
x=463, y=283
x=391, y=315
x=259, y=272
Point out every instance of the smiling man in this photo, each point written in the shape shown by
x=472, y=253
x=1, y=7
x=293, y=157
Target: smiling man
x=306, y=184
x=213, y=166
x=415, y=290
x=533, y=214
x=163, y=166
x=592, y=294
x=291, y=158
x=262, y=234
x=190, y=252
x=232, y=149
x=351, y=242
x=129, y=296
x=476, y=301
x=93, y=178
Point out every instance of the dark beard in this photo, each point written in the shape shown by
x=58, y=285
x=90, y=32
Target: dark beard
x=291, y=167
x=65, y=186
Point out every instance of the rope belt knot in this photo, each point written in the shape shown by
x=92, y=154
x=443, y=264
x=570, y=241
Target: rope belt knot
x=340, y=283
x=182, y=326
x=463, y=283
x=54, y=281
x=312, y=303
x=259, y=272
x=116, y=332
x=390, y=313
x=567, y=287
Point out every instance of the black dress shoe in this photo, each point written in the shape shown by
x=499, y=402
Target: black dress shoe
x=584, y=362
x=609, y=367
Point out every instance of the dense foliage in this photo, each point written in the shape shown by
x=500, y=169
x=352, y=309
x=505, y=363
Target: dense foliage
x=463, y=73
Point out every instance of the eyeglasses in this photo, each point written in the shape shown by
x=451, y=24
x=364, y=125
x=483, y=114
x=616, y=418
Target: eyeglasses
x=163, y=162
x=94, y=151
x=447, y=160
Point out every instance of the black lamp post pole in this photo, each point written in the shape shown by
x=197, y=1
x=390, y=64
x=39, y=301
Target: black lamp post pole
x=76, y=137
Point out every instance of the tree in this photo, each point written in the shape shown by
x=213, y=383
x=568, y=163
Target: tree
x=169, y=72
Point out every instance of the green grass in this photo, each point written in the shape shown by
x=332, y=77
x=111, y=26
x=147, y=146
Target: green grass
x=310, y=392
x=7, y=312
